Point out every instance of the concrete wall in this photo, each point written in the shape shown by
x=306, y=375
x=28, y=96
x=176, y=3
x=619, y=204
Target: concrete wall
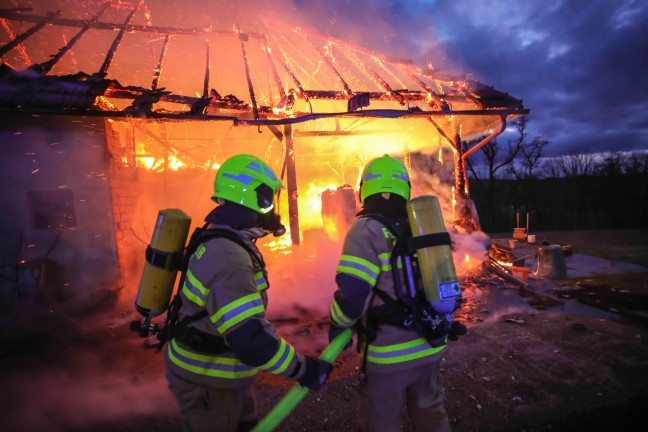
x=56, y=206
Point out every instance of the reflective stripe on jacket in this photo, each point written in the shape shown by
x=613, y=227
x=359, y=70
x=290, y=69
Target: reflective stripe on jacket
x=223, y=279
x=366, y=259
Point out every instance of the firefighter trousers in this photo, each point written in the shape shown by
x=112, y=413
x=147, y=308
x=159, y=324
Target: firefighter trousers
x=380, y=402
x=209, y=409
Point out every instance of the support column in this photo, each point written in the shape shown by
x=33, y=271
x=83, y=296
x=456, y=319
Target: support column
x=466, y=213
x=291, y=180
x=460, y=169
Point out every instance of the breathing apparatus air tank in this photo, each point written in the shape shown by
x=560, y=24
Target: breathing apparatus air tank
x=163, y=260
x=432, y=243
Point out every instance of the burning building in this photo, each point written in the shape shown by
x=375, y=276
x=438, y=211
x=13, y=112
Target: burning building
x=108, y=113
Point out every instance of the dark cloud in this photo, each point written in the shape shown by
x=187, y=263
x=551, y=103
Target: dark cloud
x=580, y=66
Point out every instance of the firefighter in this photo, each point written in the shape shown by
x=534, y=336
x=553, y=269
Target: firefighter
x=398, y=365
x=211, y=362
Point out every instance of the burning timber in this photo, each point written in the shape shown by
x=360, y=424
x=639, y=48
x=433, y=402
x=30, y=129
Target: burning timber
x=140, y=134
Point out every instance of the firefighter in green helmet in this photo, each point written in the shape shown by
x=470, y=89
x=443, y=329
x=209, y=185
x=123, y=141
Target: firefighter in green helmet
x=220, y=338
x=398, y=364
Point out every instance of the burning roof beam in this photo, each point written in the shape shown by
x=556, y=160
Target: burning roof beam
x=200, y=105
x=273, y=68
x=158, y=70
x=401, y=100
x=23, y=36
x=347, y=89
x=113, y=48
x=20, y=47
x=67, y=22
x=47, y=66
x=435, y=101
x=300, y=89
x=243, y=38
x=487, y=100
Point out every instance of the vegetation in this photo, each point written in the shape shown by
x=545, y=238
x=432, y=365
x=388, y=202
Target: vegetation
x=573, y=191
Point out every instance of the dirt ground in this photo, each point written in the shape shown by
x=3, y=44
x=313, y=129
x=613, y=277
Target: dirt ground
x=560, y=355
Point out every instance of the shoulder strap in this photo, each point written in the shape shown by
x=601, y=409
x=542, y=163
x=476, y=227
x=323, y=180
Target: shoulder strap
x=400, y=233
x=199, y=236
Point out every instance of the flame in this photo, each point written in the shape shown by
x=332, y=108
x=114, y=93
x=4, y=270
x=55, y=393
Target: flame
x=281, y=244
x=311, y=201
x=146, y=162
x=175, y=164
x=454, y=201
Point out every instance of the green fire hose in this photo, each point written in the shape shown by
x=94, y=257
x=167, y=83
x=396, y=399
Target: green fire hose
x=297, y=393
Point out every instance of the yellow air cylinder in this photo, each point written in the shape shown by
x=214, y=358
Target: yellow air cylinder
x=438, y=273
x=163, y=257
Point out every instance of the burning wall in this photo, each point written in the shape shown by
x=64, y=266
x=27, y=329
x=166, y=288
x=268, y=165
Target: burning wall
x=172, y=164
x=181, y=90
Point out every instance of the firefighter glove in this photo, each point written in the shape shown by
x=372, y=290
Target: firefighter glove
x=334, y=331
x=316, y=372
x=456, y=329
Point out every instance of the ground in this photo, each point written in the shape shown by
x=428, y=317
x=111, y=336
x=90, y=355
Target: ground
x=557, y=355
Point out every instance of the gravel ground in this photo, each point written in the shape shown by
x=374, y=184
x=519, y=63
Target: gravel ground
x=533, y=360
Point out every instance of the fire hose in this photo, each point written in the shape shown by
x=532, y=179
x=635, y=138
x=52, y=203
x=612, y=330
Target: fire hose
x=297, y=392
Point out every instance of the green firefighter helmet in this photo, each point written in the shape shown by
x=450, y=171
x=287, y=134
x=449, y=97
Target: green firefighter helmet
x=384, y=174
x=247, y=180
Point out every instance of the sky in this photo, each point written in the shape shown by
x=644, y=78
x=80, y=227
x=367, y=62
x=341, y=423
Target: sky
x=580, y=66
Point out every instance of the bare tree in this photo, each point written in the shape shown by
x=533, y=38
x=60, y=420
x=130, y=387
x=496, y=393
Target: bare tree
x=551, y=168
x=612, y=165
x=577, y=165
x=497, y=158
x=530, y=155
x=637, y=164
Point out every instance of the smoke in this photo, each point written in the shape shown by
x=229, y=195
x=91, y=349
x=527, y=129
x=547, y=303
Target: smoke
x=69, y=375
x=63, y=399
x=303, y=281
x=434, y=175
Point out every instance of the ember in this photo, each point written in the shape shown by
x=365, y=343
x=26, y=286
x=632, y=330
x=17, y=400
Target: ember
x=315, y=107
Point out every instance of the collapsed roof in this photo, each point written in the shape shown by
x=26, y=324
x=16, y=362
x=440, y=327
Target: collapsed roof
x=176, y=93
x=260, y=71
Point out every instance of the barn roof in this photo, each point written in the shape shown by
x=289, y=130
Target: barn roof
x=114, y=60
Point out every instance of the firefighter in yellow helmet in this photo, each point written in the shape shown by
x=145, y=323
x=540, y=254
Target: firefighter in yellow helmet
x=398, y=364
x=221, y=338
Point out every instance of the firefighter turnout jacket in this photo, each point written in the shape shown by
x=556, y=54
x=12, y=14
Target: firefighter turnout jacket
x=225, y=281
x=365, y=266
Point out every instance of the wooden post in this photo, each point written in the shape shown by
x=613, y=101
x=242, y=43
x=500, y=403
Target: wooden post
x=291, y=179
x=460, y=170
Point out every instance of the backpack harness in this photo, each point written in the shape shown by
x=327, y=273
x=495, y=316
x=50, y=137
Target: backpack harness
x=173, y=327
x=410, y=310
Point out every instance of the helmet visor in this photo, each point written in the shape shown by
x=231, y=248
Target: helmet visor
x=265, y=197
